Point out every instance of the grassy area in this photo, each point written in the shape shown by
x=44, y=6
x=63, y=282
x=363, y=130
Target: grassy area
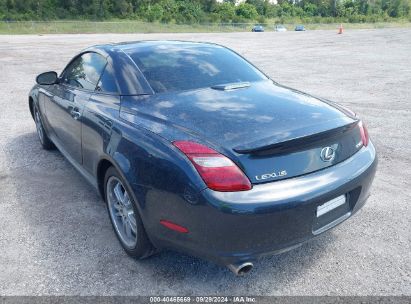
x=84, y=27
x=77, y=27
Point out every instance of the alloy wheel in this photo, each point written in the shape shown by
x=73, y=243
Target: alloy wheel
x=122, y=212
x=39, y=126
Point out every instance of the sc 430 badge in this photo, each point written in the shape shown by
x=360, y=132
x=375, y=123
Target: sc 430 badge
x=271, y=175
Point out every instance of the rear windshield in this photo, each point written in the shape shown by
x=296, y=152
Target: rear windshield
x=174, y=68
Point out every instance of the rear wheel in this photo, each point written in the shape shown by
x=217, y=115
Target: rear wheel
x=45, y=141
x=125, y=217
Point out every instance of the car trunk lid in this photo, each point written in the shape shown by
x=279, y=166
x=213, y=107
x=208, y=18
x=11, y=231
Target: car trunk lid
x=264, y=128
x=300, y=155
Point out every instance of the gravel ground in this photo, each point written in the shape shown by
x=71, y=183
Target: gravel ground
x=55, y=235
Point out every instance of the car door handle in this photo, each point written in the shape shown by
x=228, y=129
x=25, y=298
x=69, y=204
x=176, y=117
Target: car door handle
x=75, y=113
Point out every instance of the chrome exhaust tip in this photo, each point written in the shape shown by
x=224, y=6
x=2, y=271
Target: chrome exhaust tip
x=241, y=269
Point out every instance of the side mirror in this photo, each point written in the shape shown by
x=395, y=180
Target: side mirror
x=47, y=78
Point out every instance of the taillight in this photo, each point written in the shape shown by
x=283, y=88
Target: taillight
x=218, y=171
x=364, y=133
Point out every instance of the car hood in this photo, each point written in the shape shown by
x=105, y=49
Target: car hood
x=252, y=117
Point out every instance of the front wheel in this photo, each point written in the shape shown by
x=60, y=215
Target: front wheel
x=45, y=141
x=125, y=217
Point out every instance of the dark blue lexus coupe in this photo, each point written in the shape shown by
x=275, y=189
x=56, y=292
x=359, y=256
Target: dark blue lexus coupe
x=194, y=149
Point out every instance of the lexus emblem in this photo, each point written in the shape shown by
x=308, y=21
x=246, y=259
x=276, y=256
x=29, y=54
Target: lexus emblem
x=327, y=154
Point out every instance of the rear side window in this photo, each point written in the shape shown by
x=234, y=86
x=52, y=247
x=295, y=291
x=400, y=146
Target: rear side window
x=170, y=68
x=85, y=71
x=107, y=83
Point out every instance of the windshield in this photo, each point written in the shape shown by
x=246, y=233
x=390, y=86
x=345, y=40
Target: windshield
x=175, y=67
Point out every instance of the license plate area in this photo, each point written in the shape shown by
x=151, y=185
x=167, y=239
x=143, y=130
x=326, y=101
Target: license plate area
x=331, y=213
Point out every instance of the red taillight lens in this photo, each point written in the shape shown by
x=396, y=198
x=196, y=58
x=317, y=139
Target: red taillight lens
x=364, y=133
x=218, y=172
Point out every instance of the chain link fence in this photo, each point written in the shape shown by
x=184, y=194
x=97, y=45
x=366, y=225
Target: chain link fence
x=55, y=27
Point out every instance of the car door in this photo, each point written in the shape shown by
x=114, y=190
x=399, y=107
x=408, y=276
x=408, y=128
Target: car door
x=99, y=116
x=65, y=108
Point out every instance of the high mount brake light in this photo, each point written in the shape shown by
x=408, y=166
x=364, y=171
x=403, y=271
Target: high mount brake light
x=218, y=171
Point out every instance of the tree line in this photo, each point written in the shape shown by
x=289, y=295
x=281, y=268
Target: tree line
x=210, y=11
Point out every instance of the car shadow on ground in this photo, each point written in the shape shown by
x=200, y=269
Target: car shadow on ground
x=70, y=229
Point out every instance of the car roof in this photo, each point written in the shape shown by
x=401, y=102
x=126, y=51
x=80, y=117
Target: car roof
x=143, y=45
x=130, y=79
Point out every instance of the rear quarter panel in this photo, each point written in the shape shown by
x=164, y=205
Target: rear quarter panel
x=161, y=178
x=157, y=173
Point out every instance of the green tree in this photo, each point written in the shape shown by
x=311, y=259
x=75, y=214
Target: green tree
x=272, y=11
x=310, y=9
x=154, y=12
x=169, y=10
x=398, y=8
x=122, y=8
x=260, y=6
x=208, y=6
x=226, y=11
x=246, y=11
x=192, y=11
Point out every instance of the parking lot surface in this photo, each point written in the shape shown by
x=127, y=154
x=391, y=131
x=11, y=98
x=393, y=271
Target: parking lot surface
x=55, y=234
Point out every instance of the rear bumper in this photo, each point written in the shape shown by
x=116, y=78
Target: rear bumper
x=232, y=227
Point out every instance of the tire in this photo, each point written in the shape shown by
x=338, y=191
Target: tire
x=45, y=141
x=124, y=216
